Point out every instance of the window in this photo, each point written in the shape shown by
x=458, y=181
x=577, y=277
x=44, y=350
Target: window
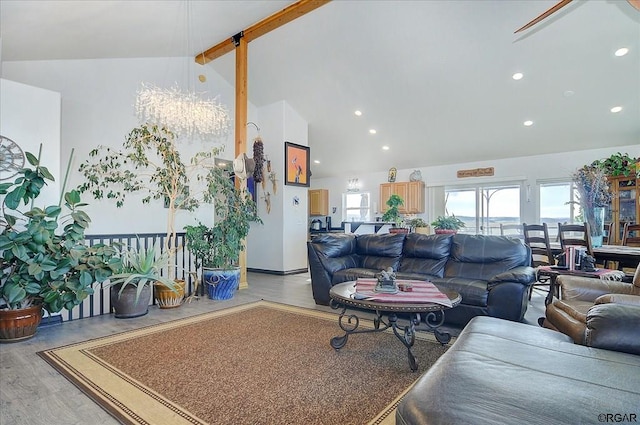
x=357, y=206
x=484, y=208
x=558, y=204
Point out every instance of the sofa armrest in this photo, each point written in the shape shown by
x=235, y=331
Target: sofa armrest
x=523, y=274
x=613, y=327
x=589, y=288
x=618, y=299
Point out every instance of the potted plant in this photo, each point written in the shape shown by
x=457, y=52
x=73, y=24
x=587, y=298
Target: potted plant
x=447, y=224
x=150, y=162
x=418, y=225
x=392, y=215
x=217, y=248
x=44, y=261
x=619, y=164
x=130, y=290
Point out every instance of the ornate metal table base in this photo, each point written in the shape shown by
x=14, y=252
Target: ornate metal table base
x=407, y=335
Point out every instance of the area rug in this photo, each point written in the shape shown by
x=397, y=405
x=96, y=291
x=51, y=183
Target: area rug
x=259, y=363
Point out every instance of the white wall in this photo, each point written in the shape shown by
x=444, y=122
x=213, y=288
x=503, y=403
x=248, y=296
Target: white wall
x=265, y=243
x=295, y=214
x=30, y=116
x=97, y=108
x=280, y=244
x=529, y=170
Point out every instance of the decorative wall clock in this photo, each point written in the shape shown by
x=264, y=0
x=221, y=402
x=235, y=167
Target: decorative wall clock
x=11, y=158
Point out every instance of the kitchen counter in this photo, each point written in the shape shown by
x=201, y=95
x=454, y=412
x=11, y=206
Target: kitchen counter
x=366, y=227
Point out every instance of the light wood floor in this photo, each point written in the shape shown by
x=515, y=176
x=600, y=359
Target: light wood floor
x=32, y=393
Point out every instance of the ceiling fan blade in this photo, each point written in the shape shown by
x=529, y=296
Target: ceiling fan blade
x=635, y=3
x=554, y=9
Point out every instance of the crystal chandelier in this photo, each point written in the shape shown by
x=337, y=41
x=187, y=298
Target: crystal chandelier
x=185, y=113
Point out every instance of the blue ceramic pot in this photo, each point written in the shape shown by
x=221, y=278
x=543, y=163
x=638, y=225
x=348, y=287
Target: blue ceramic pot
x=221, y=283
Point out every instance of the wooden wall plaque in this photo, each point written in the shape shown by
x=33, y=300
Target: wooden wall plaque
x=476, y=172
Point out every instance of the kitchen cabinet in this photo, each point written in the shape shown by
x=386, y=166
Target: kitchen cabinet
x=318, y=202
x=411, y=192
x=625, y=205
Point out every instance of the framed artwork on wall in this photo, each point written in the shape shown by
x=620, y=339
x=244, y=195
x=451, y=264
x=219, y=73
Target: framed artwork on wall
x=296, y=164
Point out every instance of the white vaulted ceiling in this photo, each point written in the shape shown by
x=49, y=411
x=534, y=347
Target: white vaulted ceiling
x=432, y=77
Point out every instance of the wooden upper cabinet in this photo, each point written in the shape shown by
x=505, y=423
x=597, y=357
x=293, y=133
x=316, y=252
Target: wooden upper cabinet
x=411, y=192
x=415, y=197
x=318, y=202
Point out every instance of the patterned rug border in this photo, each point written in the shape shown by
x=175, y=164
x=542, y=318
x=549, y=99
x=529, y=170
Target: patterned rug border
x=108, y=386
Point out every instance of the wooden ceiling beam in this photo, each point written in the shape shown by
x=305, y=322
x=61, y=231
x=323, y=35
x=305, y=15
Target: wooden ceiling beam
x=258, y=29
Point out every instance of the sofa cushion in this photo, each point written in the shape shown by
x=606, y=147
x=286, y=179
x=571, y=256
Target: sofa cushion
x=482, y=257
x=415, y=276
x=425, y=254
x=348, y=275
x=334, y=244
x=379, y=252
x=336, y=251
x=332, y=265
x=473, y=291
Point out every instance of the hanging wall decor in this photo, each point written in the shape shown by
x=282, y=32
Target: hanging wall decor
x=296, y=160
x=258, y=157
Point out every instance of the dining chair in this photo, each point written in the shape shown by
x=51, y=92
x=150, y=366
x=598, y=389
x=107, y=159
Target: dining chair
x=575, y=235
x=536, y=237
x=511, y=231
x=631, y=235
x=609, y=231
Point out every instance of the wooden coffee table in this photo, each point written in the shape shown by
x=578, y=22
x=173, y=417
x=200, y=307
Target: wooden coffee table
x=342, y=296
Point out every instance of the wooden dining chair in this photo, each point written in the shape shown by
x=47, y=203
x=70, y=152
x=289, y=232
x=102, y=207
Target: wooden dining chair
x=575, y=235
x=609, y=231
x=631, y=235
x=536, y=237
x=511, y=231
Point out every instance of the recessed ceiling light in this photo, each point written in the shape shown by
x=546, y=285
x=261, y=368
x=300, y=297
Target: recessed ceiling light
x=621, y=51
x=315, y=161
x=358, y=113
x=385, y=148
x=569, y=93
x=517, y=76
x=616, y=109
x=528, y=123
x=372, y=131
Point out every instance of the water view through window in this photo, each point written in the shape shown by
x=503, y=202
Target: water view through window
x=484, y=208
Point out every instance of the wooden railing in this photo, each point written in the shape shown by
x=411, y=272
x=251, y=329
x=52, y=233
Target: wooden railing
x=99, y=304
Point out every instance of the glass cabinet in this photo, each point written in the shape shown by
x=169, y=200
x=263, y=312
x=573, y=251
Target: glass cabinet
x=624, y=206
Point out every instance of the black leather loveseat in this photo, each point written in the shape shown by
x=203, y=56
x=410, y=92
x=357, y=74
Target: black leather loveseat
x=491, y=273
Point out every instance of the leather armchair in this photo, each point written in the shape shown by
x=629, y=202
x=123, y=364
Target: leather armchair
x=598, y=313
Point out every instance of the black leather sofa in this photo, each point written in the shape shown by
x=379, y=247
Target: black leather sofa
x=501, y=372
x=491, y=273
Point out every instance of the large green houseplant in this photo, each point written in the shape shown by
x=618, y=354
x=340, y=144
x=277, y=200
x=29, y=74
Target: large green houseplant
x=447, y=224
x=44, y=261
x=393, y=215
x=217, y=248
x=150, y=163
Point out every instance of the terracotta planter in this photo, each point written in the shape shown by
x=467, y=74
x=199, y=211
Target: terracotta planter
x=398, y=230
x=166, y=298
x=18, y=325
x=446, y=232
x=125, y=305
